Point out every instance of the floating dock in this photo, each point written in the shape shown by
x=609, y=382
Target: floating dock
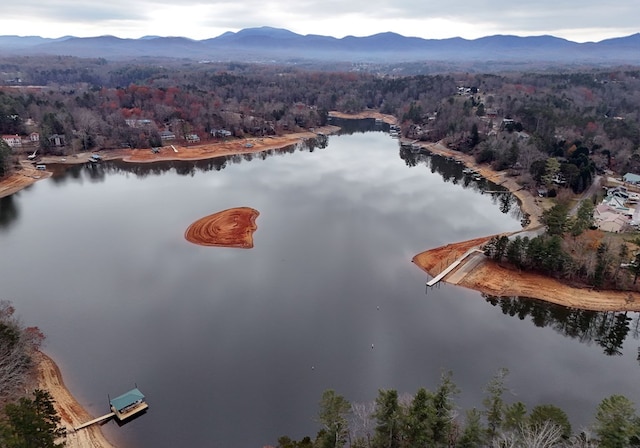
x=123, y=407
x=128, y=404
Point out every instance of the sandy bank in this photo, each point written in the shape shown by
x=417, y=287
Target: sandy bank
x=389, y=119
x=26, y=176
x=68, y=408
x=492, y=278
x=29, y=175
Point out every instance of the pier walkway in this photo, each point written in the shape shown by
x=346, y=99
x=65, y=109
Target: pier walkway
x=94, y=421
x=452, y=266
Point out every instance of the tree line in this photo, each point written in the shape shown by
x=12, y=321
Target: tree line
x=570, y=249
x=432, y=419
x=27, y=419
x=587, y=120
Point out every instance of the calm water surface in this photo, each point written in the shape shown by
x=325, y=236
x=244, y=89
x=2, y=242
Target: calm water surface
x=233, y=347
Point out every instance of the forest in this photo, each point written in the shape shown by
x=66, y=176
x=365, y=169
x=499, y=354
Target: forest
x=587, y=120
x=433, y=419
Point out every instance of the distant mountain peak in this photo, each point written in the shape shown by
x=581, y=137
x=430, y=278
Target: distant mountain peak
x=272, y=44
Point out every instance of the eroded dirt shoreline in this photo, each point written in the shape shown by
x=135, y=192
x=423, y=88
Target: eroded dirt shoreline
x=70, y=411
x=494, y=279
x=28, y=175
x=487, y=277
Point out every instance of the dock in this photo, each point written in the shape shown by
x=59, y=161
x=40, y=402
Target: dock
x=452, y=266
x=123, y=407
x=94, y=421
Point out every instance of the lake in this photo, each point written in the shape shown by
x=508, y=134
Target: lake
x=234, y=347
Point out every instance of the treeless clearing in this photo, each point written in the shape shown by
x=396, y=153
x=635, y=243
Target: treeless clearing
x=229, y=228
x=389, y=119
x=26, y=176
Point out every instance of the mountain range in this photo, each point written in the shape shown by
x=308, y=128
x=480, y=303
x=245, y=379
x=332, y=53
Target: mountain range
x=266, y=44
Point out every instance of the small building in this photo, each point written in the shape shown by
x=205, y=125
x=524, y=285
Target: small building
x=34, y=137
x=609, y=219
x=631, y=178
x=220, y=133
x=57, y=140
x=128, y=404
x=167, y=135
x=14, y=141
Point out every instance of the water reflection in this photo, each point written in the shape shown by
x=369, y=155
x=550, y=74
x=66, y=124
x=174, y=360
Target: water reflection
x=453, y=171
x=607, y=329
x=9, y=212
x=221, y=338
x=97, y=172
x=349, y=127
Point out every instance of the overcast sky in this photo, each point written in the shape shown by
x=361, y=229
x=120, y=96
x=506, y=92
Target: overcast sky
x=577, y=20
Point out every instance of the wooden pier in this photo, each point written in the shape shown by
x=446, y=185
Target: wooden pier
x=94, y=421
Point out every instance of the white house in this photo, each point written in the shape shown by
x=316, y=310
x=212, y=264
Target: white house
x=13, y=141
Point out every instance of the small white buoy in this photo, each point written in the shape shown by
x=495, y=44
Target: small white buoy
x=378, y=308
x=371, y=346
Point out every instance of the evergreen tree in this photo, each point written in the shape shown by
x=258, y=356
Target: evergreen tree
x=493, y=403
x=555, y=219
x=31, y=423
x=419, y=420
x=583, y=219
x=387, y=415
x=473, y=435
x=617, y=424
x=553, y=414
x=515, y=416
x=5, y=158
x=443, y=405
x=333, y=413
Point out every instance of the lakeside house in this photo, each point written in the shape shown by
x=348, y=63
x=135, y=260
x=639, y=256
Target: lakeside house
x=609, y=219
x=618, y=210
x=631, y=178
x=167, y=135
x=192, y=138
x=14, y=141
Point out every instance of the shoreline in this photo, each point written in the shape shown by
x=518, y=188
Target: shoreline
x=71, y=411
x=492, y=278
x=28, y=175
